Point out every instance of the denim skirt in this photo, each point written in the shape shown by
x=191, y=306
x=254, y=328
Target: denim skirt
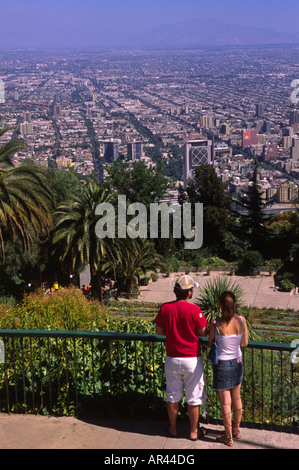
x=227, y=374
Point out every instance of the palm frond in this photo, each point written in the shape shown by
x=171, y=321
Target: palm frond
x=209, y=295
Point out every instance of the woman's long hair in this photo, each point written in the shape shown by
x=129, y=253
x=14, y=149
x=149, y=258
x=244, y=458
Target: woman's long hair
x=228, y=305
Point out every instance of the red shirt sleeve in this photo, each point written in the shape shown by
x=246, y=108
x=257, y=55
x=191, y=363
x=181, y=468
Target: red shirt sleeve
x=159, y=319
x=201, y=319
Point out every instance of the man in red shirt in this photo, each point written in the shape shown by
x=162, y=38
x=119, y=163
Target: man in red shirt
x=182, y=322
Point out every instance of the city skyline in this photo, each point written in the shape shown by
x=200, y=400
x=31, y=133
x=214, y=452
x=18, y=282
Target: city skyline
x=86, y=109
x=41, y=24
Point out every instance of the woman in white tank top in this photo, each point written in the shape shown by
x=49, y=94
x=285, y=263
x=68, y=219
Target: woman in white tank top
x=231, y=335
x=229, y=344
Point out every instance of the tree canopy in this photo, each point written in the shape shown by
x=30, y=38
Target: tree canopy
x=209, y=190
x=138, y=182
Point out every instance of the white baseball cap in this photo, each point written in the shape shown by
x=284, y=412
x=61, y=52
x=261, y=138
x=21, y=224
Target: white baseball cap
x=185, y=282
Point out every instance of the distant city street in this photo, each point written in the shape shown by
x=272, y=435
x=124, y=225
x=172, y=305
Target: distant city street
x=86, y=109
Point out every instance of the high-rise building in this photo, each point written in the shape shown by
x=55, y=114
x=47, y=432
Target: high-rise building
x=260, y=110
x=259, y=125
x=135, y=150
x=294, y=117
x=222, y=149
x=57, y=109
x=286, y=193
x=27, y=116
x=206, y=121
x=270, y=152
x=224, y=129
x=110, y=150
x=287, y=142
x=288, y=131
x=197, y=152
x=266, y=127
x=293, y=192
x=26, y=128
x=271, y=192
x=261, y=139
x=295, y=148
x=282, y=194
x=249, y=137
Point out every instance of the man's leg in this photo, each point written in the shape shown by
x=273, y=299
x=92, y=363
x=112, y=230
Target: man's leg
x=172, y=409
x=195, y=392
x=193, y=413
x=174, y=391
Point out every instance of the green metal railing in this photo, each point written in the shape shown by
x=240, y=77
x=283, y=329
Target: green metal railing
x=112, y=374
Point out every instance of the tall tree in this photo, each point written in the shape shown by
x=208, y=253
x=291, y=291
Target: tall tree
x=141, y=257
x=9, y=149
x=25, y=199
x=283, y=232
x=209, y=190
x=64, y=183
x=138, y=182
x=253, y=219
x=75, y=237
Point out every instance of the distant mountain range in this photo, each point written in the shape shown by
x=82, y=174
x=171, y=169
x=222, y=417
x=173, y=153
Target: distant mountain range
x=209, y=32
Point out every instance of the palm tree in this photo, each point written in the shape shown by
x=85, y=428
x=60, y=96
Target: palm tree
x=75, y=232
x=25, y=199
x=209, y=296
x=9, y=149
x=140, y=258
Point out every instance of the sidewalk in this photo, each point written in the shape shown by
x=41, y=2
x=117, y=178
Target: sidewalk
x=258, y=291
x=43, y=432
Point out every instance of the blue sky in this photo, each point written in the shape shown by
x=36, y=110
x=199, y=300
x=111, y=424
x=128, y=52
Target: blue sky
x=33, y=23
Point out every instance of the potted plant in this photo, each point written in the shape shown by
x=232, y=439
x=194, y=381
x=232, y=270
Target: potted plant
x=251, y=262
x=209, y=270
x=232, y=269
x=272, y=266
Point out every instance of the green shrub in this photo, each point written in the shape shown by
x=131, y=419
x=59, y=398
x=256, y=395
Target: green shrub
x=251, y=260
x=154, y=277
x=272, y=265
x=286, y=276
x=144, y=281
x=286, y=285
x=65, y=309
x=172, y=264
x=8, y=300
x=214, y=261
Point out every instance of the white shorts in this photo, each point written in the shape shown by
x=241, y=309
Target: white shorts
x=185, y=373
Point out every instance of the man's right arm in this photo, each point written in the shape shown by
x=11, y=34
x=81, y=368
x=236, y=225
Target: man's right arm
x=202, y=324
x=160, y=330
x=203, y=332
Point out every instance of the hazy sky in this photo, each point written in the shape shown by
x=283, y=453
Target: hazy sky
x=67, y=23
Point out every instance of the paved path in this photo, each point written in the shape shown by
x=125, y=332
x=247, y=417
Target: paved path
x=43, y=432
x=258, y=291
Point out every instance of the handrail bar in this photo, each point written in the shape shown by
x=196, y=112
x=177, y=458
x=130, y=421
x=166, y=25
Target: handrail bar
x=66, y=371
x=128, y=336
